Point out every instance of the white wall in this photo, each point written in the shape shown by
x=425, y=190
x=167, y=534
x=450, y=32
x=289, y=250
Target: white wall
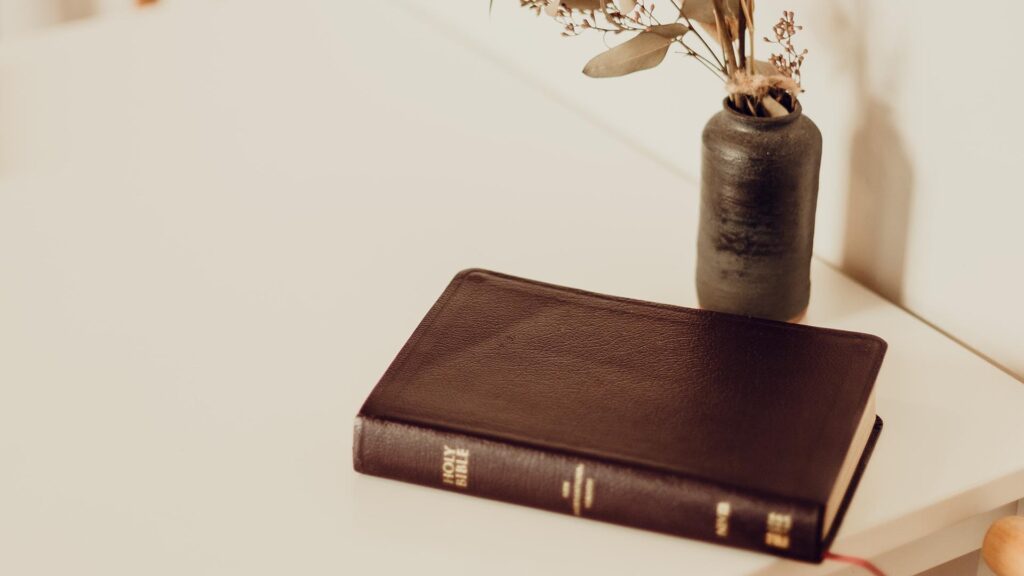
x=921, y=197
x=920, y=192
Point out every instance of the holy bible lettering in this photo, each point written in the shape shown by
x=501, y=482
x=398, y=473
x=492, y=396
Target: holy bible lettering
x=455, y=467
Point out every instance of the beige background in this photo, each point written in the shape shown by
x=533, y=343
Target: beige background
x=920, y=190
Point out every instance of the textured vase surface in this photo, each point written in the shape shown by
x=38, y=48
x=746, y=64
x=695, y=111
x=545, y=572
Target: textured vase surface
x=759, y=190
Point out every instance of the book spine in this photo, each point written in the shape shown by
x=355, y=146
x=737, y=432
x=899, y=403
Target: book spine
x=586, y=487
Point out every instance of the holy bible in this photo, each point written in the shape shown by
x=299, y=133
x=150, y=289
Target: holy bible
x=745, y=432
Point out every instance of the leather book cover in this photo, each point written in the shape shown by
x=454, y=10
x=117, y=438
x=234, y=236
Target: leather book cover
x=745, y=432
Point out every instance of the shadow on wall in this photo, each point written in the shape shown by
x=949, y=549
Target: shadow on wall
x=881, y=177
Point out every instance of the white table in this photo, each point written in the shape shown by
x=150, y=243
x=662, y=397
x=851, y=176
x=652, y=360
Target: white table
x=218, y=225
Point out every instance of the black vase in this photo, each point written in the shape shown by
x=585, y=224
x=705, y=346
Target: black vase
x=759, y=189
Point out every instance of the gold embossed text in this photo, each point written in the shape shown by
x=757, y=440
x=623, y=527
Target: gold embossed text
x=455, y=467
x=777, y=530
x=722, y=512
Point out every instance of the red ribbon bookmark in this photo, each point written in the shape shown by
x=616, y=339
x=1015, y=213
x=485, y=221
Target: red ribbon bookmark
x=863, y=563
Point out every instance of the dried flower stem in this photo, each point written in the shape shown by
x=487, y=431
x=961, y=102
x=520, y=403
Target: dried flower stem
x=695, y=32
x=741, y=37
x=725, y=39
x=748, y=11
x=752, y=88
x=707, y=63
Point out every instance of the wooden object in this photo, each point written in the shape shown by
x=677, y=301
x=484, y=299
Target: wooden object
x=1003, y=549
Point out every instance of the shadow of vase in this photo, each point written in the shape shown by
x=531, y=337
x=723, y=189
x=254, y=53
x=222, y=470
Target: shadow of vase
x=881, y=173
x=878, y=203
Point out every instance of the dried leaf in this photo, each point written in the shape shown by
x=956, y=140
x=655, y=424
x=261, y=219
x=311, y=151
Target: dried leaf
x=773, y=107
x=703, y=11
x=552, y=8
x=670, y=31
x=583, y=4
x=712, y=28
x=765, y=68
x=645, y=50
x=626, y=6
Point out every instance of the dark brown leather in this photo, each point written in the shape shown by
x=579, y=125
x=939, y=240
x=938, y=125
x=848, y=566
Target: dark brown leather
x=758, y=408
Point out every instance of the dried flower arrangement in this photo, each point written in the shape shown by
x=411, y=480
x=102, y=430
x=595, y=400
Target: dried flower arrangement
x=755, y=87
